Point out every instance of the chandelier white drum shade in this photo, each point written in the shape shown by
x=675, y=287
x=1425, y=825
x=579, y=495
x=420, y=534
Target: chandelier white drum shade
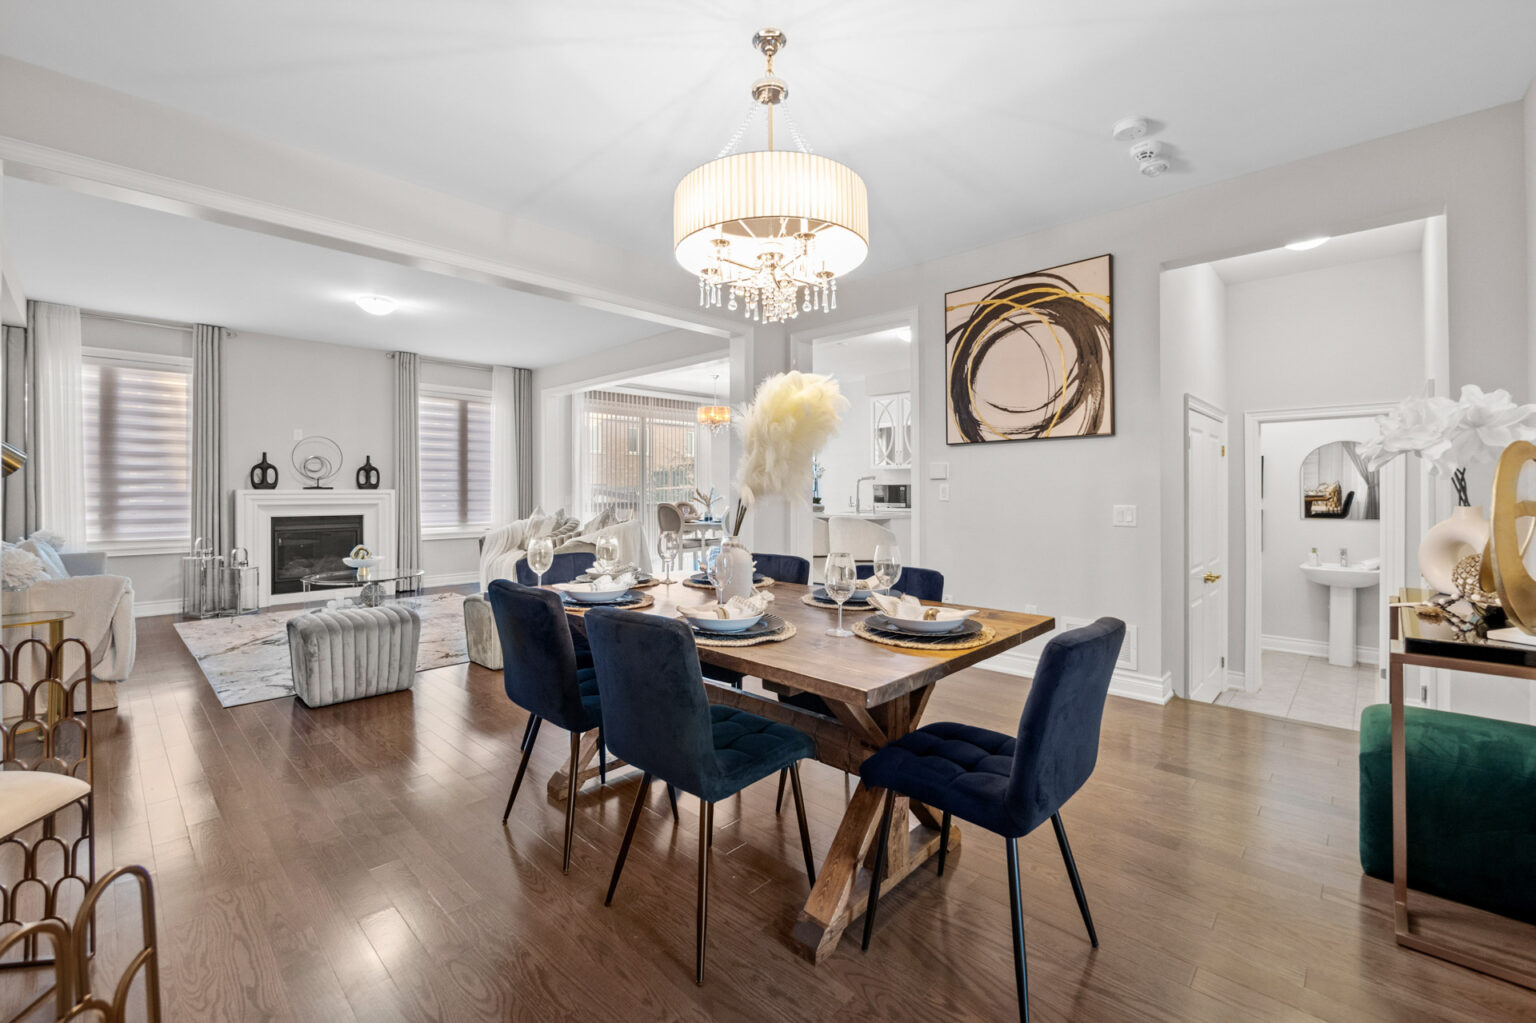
x=770, y=230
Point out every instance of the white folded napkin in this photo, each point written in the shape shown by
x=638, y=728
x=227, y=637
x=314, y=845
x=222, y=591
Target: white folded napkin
x=616, y=581
x=736, y=607
x=911, y=609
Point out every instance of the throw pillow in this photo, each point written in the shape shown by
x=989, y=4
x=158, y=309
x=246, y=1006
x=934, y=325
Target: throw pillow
x=602, y=520
x=567, y=530
x=538, y=524
x=53, y=565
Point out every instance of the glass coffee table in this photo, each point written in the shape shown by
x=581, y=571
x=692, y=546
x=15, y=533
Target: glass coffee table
x=372, y=580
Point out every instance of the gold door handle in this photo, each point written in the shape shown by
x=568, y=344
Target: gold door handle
x=1211, y=577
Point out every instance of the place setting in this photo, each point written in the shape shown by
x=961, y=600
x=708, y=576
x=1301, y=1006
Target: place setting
x=620, y=590
x=740, y=621
x=904, y=621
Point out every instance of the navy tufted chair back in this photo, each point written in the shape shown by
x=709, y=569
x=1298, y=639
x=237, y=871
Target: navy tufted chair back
x=655, y=713
x=922, y=583
x=562, y=569
x=1059, y=730
x=784, y=568
x=539, y=659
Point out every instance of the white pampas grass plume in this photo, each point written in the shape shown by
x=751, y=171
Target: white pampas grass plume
x=790, y=419
x=19, y=569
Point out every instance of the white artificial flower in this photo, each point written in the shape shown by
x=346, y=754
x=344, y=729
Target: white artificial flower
x=1485, y=424
x=19, y=569
x=1420, y=425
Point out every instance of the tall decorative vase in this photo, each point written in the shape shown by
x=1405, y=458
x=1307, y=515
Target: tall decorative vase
x=1446, y=543
x=736, y=555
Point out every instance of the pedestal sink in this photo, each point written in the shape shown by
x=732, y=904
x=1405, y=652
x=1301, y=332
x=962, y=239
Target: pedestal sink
x=1342, y=582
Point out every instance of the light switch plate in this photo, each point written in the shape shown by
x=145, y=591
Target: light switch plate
x=938, y=470
x=298, y=434
x=1124, y=515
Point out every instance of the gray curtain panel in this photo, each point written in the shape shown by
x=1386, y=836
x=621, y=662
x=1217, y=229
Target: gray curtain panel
x=407, y=464
x=522, y=437
x=20, y=490
x=208, y=518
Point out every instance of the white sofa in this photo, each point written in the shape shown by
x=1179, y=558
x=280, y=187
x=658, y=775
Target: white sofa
x=504, y=546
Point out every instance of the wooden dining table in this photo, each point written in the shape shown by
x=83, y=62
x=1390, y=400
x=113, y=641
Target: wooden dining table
x=878, y=694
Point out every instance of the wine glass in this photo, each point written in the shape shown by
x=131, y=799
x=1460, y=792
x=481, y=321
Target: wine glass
x=607, y=554
x=720, y=571
x=541, y=555
x=887, y=566
x=840, y=579
x=670, y=546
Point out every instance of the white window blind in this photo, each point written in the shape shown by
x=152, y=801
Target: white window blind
x=137, y=451
x=455, y=439
x=640, y=452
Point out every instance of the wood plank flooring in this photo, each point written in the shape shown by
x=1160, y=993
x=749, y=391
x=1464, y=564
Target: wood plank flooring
x=349, y=863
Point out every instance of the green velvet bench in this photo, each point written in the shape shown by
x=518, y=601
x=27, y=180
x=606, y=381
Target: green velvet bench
x=1471, y=807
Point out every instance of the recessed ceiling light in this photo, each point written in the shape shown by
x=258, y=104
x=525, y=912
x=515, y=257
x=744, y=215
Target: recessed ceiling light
x=1308, y=243
x=378, y=305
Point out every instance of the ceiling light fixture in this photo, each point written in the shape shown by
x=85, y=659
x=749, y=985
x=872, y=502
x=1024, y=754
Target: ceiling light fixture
x=717, y=416
x=378, y=305
x=770, y=230
x=1308, y=243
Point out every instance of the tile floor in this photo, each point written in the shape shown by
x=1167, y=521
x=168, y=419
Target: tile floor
x=1302, y=688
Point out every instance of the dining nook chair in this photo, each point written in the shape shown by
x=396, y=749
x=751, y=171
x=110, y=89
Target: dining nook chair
x=1009, y=785
x=669, y=519
x=563, y=568
x=660, y=720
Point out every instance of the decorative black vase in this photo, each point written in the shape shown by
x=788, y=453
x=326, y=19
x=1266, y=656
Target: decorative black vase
x=264, y=474
x=368, y=475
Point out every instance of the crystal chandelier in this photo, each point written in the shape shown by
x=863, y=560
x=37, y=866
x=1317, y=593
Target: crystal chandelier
x=771, y=230
x=717, y=416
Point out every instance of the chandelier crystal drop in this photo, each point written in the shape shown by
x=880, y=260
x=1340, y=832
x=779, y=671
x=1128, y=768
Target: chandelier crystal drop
x=770, y=231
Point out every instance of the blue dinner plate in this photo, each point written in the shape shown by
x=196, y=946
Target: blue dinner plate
x=703, y=580
x=768, y=625
x=626, y=597
x=880, y=623
x=820, y=593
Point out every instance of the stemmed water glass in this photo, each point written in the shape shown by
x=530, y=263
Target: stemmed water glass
x=607, y=554
x=840, y=579
x=887, y=566
x=541, y=555
x=669, y=545
x=719, y=570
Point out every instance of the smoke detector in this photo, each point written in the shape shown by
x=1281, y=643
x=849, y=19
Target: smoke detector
x=1130, y=128
x=1148, y=162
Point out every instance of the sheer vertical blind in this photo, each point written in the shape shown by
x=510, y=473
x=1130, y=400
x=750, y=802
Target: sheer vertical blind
x=455, y=445
x=137, y=419
x=638, y=451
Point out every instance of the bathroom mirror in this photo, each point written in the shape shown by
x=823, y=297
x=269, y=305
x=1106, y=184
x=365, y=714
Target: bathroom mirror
x=1335, y=483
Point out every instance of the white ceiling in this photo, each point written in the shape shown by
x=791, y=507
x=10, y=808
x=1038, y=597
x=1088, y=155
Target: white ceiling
x=1349, y=248
x=107, y=256
x=970, y=122
x=698, y=380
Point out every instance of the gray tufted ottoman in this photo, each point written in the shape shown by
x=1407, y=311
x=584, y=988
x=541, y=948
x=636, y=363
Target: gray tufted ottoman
x=352, y=653
x=480, y=635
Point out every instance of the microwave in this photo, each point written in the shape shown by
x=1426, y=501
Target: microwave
x=893, y=495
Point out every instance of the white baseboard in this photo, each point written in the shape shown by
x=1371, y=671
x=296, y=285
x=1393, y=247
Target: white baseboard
x=150, y=608
x=1237, y=680
x=1313, y=648
x=1132, y=685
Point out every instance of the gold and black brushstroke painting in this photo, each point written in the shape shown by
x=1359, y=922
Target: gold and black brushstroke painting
x=1031, y=357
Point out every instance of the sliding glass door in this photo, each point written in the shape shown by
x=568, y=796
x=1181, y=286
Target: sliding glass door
x=636, y=451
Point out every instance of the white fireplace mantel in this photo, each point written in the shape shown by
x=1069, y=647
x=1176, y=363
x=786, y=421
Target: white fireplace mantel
x=255, y=510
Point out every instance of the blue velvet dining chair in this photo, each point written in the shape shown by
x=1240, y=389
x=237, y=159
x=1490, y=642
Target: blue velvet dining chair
x=660, y=720
x=1008, y=785
x=563, y=568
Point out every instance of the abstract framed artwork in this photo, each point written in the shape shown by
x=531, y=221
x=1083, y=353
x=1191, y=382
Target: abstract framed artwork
x=1031, y=357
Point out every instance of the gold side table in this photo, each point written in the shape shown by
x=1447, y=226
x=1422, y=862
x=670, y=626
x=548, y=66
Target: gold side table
x=55, y=621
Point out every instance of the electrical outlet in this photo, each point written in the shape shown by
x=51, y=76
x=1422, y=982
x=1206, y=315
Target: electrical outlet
x=1124, y=515
x=943, y=491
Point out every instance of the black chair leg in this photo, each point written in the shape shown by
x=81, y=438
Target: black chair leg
x=1016, y=918
x=778, y=804
x=602, y=758
x=1077, y=882
x=528, y=731
x=572, y=786
x=882, y=850
x=629, y=836
x=672, y=798
x=706, y=833
x=805, y=832
x=943, y=841
x=522, y=765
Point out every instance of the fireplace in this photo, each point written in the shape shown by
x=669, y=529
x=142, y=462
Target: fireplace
x=306, y=544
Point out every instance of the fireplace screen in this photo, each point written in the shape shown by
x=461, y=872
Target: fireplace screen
x=305, y=545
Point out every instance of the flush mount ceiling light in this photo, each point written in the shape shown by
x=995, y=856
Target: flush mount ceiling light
x=1308, y=243
x=378, y=305
x=717, y=416
x=770, y=230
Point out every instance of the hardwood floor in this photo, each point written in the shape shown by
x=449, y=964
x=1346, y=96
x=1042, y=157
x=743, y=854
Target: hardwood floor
x=349, y=864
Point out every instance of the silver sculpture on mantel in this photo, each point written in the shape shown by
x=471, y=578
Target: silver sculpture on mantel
x=317, y=459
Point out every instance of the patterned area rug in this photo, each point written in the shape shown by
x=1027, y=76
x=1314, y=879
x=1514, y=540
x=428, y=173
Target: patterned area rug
x=246, y=659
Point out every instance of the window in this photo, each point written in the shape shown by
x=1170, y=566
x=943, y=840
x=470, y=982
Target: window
x=138, y=442
x=640, y=452
x=454, y=428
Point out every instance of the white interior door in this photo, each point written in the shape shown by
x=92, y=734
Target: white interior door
x=1206, y=575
